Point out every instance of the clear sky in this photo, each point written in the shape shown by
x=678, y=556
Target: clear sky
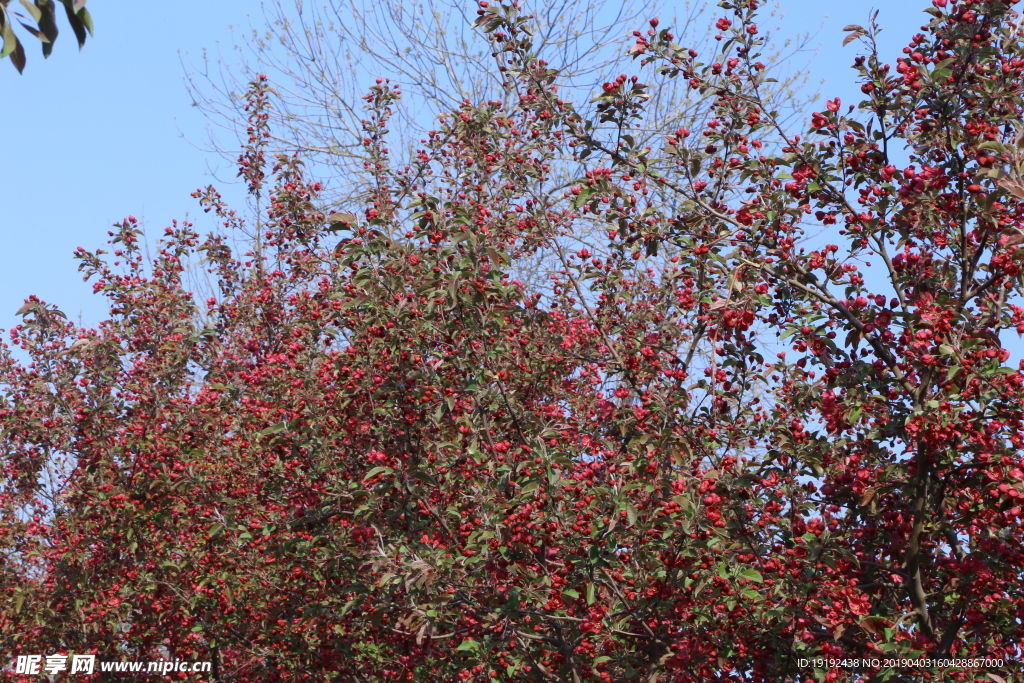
x=92, y=137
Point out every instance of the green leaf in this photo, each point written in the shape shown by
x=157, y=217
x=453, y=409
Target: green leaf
x=349, y=605
x=630, y=486
x=10, y=41
x=751, y=574
x=48, y=25
x=375, y=471
x=32, y=9
x=275, y=429
x=496, y=257
x=86, y=18
x=468, y=645
x=77, y=25
x=591, y=593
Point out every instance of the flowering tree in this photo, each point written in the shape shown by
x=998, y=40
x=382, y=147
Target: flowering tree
x=319, y=56
x=381, y=459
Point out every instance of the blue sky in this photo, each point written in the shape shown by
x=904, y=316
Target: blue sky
x=93, y=136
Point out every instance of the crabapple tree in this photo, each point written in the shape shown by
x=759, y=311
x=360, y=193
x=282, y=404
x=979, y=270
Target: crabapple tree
x=710, y=449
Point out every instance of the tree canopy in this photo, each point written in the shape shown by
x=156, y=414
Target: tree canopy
x=713, y=449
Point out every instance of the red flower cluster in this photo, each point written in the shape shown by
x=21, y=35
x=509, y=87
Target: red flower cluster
x=703, y=449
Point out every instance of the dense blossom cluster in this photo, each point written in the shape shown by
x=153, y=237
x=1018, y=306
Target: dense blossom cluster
x=374, y=454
